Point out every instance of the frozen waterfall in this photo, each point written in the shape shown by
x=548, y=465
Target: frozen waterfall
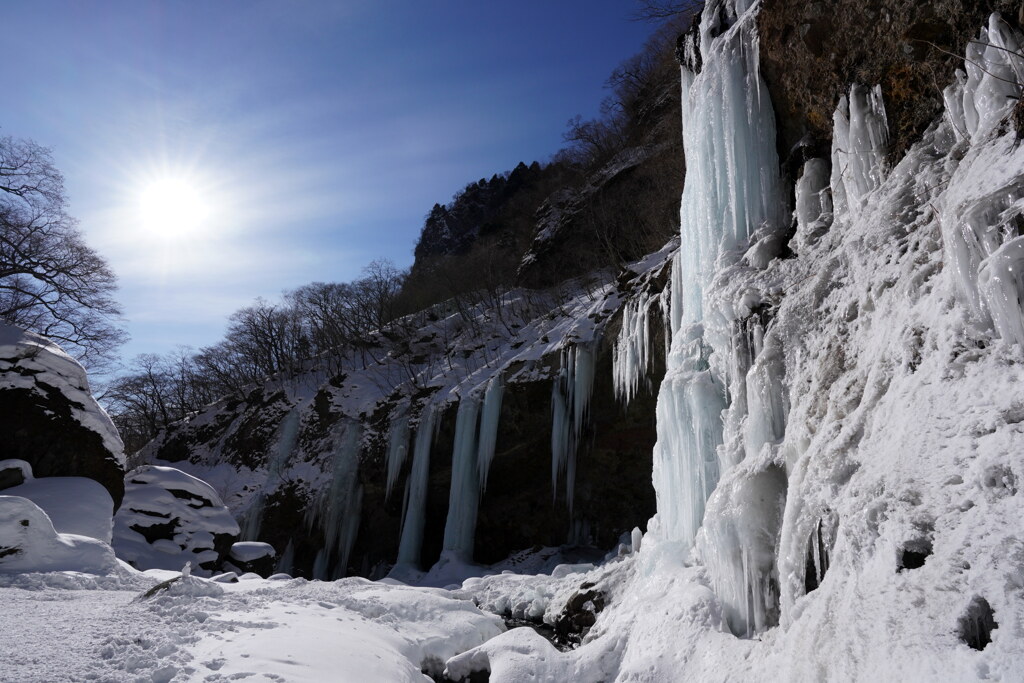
x=339, y=508
x=410, y=544
x=570, y=405
x=731, y=191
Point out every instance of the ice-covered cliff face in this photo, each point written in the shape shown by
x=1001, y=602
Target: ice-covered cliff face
x=460, y=435
x=840, y=445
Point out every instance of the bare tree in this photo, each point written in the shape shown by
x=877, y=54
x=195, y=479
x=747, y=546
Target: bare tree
x=659, y=10
x=51, y=281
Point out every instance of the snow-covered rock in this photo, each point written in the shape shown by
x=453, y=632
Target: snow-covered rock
x=14, y=472
x=252, y=556
x=49, y=417
x=169, y=518
x=75, y=505
x=29, y=543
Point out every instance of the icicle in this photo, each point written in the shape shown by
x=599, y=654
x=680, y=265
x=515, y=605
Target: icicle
x=490, y=416
x=464, y=496
x=995, y=71
x=980, y=238
x=339, y=508
x=286, y=563
x=398, y=445
x=414, y=519
x=738, y=546
x=859, y=142
x=766, y=400
x=813, y=203
x=632, y=355
x=570, y=404
x=675, y=300
x=276, y=463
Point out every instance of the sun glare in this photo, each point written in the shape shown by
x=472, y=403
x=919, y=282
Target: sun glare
x=172, y=208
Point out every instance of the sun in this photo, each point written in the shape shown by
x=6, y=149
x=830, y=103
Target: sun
x=173, y=207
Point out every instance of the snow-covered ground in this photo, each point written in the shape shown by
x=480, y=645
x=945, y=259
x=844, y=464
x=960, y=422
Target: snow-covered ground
x=76, y=627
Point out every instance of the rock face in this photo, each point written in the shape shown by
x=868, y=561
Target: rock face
x=169, y=518
x=48, y=416
x=811, y=51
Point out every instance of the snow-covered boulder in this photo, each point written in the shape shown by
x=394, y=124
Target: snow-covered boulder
x=29, y=543
x=49, y=417
x=75, y=505
x=169, y=518
x=14, y=472
x=252, y=556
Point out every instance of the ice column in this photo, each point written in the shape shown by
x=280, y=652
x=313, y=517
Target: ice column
x=339, y=508
x=570, y=405
x=413, y=521
x=276, y=463
x=981, y=237
x=632, y=354
x=978, y=100
x=398, y=445
x=766, y=399
x=465, y=485
x=490, y=416
x=1001, y=281
x=859, y=144
x=731, y=190
x=813, y=203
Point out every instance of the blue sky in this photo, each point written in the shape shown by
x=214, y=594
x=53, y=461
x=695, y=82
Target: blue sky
x=318, y=134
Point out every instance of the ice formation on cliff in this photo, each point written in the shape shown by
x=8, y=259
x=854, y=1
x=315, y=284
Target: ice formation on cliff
x=731, y=191
x=339, y=507
x=570, y=403
x=414, y=517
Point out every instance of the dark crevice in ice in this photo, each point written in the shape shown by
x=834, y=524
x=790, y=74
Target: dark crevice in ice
x=977, y=623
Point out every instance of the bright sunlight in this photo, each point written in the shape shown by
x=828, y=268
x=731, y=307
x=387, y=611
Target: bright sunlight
x=173, y=208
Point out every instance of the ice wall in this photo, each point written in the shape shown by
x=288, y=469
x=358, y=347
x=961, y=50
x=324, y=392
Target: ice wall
x=731, y=191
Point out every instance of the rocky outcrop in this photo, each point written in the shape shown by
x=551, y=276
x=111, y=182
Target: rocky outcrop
x=49, y=417
x=812, y=50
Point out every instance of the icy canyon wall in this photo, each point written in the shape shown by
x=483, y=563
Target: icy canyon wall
x=839, y=433
x=839, y=430
x=466, y=437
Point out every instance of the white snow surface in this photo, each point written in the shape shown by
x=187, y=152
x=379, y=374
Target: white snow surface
x=28, y=359
x=196, y=630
